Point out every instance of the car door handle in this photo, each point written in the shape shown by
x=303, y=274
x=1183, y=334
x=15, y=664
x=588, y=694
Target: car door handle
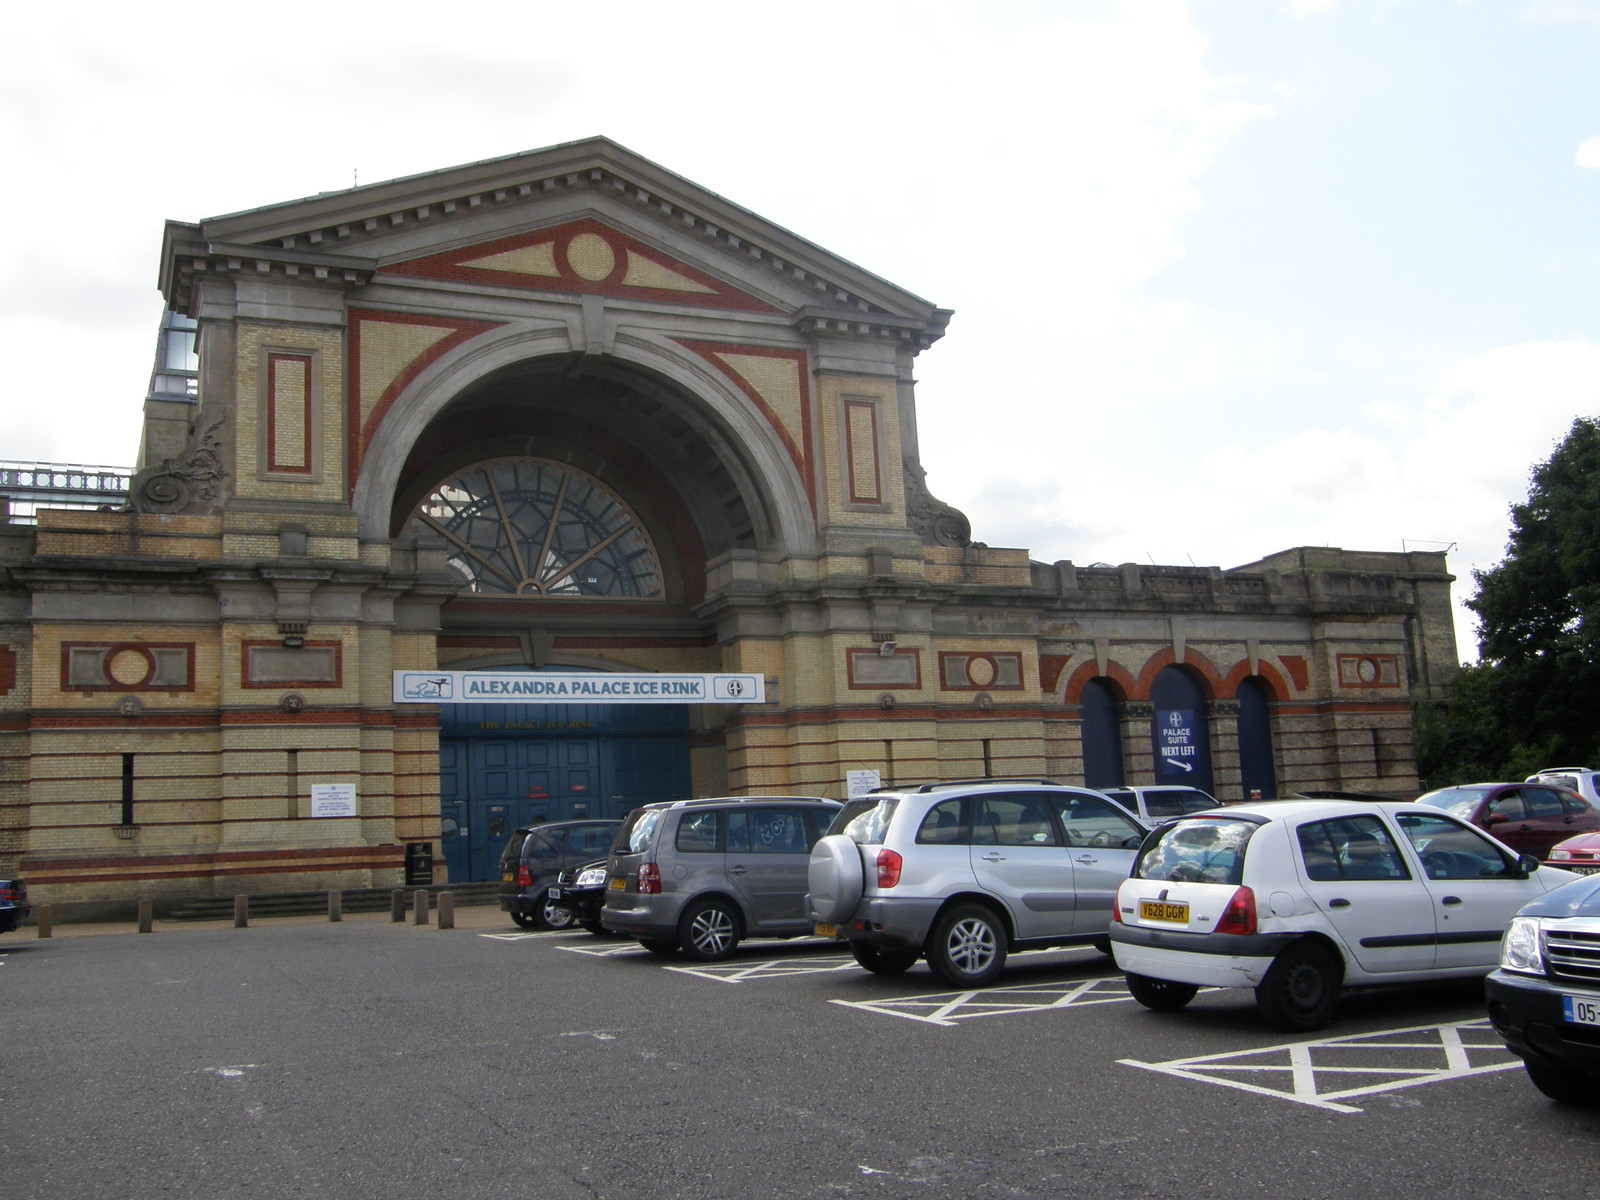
x=1450, y=900
x=1338, y=902
x=993, y=857
x=1086, y=859
x=736, y=870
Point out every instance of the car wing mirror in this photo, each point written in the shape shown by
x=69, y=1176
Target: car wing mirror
x=1527, y=864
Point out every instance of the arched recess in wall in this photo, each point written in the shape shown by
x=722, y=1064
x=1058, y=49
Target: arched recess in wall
x=650, y=417
x=1179, y=734
x=1257, y=773
x=1102, y=735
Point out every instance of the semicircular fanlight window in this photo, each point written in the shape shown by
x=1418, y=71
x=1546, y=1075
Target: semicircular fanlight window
x=530, y=527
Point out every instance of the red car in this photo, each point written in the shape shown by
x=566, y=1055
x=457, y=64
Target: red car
x=1528, y=817
x=1580, y=855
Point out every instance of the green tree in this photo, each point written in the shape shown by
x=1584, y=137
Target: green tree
x=1533, y=700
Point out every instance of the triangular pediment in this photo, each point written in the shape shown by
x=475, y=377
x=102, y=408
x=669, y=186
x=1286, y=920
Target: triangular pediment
x=586, y=257
x=583, y=217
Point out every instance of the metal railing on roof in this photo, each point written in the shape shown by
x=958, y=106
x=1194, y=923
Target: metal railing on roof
x=29, y=487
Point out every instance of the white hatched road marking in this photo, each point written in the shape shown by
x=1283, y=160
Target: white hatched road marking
x=1395, y=1058
x=948, y=1008
x=737, y=972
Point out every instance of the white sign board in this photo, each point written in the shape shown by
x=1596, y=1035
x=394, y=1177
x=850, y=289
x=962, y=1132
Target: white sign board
x=333, y=799
x=550, y=687
x=859, y=783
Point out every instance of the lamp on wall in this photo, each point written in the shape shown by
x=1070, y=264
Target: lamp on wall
x=886, y=648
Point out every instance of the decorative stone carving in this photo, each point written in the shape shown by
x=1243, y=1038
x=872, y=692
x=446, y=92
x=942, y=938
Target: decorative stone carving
x=936, y=521
x=192, y=483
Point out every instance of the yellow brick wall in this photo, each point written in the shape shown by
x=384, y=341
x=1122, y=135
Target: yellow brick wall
x=326, y=349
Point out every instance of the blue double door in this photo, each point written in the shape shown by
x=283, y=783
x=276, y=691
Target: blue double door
x=502, y=767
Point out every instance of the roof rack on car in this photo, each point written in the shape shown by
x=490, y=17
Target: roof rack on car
x=954, y=783
x=742, y=800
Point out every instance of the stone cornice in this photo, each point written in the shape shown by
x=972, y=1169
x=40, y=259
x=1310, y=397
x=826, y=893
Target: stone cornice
x=299, y=237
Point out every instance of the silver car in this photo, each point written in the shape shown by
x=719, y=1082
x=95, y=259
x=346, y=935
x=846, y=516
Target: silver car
x=701, y=875
x=965, y=873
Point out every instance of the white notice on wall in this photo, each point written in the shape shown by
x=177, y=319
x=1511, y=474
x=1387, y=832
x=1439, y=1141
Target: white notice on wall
x=333, y=799
x=859, y=783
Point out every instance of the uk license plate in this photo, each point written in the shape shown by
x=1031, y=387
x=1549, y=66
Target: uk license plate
x=1583, y=870
x=826, y=930
x=1163, y=910
x=507, y=877
x=618, y=883
x=1581, y=1010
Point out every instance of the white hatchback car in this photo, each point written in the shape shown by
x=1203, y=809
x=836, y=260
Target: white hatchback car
x=1299, y=898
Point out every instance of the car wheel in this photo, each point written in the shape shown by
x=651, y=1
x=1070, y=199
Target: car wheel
x=1103, y=945
x=709, y=931
x=595, y=928
x=1301, y=989
x=659, y=946
x=834, y=879
x=883, y=962
x=551, y=917
x=968, y=946
x=1160, y=995
x=1562, y=1083
x=525, y=920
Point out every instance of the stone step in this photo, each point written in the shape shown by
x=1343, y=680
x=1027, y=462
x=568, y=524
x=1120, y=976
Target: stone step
x=356, y=900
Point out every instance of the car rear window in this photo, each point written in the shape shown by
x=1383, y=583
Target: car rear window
x=638, y=829
x=1460, y=802
x=865, y=820
x=1201, y=850
x=512, y=854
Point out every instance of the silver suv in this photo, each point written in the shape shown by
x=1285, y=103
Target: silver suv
x=963, y=873
x=700, y=875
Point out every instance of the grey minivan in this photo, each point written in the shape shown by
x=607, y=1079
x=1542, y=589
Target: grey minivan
x=701, y=875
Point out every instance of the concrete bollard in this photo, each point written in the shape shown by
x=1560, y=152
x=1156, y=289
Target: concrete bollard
x=397, y=905
x=46, y=916
x=241, y=911
x=419, y=910
x=447, y=910
x=146, y=916
x=335, y=906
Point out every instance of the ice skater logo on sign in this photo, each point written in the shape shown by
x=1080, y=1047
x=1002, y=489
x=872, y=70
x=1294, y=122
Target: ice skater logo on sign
x=427, y=687
x=1176, y=748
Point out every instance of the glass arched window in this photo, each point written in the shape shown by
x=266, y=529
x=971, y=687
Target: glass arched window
x=530, y=527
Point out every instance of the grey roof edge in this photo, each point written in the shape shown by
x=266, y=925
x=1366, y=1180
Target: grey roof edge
x=306, y=215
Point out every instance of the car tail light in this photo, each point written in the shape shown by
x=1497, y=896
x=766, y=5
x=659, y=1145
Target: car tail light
x=649, y=879
x=889, y=864
x=9, y=895
x=524, y=876
x=1240, y=915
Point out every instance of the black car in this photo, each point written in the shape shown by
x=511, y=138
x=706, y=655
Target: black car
x=1545, y=998
x=535, y=856
x=581, y=892
x=13, y=904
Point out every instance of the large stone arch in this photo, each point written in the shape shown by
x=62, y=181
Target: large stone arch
x=767, y=479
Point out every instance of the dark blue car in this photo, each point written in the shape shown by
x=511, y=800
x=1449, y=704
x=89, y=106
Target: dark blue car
x=13, y=904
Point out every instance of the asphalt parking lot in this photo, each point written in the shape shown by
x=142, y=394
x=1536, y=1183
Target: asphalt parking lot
x=368, y=1059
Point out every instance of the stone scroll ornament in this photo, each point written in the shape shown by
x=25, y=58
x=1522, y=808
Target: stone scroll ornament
x=192, y=483
x=936, y=521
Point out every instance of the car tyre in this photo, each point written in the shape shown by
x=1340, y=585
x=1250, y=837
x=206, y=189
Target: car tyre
x=1563, y=1084
x=709, y=931
x=1301, y=989
x=659, y=946
x=968, y=946
x=883, y=962
x=551, y=917
x=524, y=920
x=1160, y=995
x=595, y=928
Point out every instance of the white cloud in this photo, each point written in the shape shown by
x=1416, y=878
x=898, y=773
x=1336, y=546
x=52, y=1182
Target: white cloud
x=1588, y=155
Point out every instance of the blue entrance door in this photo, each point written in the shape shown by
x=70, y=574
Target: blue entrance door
x=509, y=766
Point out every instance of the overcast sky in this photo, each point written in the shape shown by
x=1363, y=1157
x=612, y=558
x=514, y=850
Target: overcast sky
x=1228, y=277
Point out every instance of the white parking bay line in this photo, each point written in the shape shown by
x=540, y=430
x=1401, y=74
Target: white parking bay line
x=1320, y=1073
x=776, y=969
x=948, y=1008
